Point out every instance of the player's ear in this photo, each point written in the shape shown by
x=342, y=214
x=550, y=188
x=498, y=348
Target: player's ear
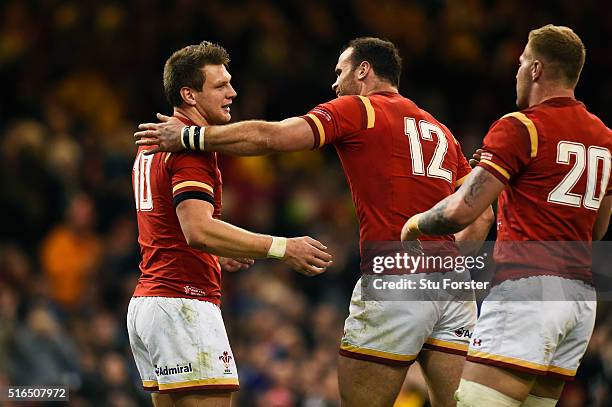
x=188, y=96
x=363, y=69
x=536, y=70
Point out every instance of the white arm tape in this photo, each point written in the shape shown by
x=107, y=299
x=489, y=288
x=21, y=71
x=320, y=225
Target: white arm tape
x=277, y=248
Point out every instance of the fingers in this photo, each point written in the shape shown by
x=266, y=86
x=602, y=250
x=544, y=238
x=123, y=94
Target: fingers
x=151, y=133
x=310, y=270
x=476, y=158
x=321, y=254
x=314, y=261
x=148, y=126
x=147, y=142
x=315, y=243
x=162, y=118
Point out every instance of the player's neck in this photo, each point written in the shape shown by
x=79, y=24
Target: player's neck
x=191, y=114
x=543, y=93
x=377, y=87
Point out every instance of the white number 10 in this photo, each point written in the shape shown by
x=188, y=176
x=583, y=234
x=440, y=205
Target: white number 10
x=584, y=158
x=142, y=182
x=434, y=169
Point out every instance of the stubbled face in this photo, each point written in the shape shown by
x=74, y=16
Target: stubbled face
x=346, y=81
x=217, y=94
x=524, y=82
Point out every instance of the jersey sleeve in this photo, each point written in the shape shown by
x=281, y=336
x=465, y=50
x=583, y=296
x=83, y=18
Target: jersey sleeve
x=508, y=147
x=338, y=119
x=192, y=176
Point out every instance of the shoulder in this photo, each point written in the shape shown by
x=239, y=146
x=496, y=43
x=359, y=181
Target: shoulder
x=516, y=126
x=346, y=102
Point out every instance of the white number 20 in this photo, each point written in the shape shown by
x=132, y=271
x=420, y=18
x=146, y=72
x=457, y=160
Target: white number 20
x=589, y=158
x=142, y=182
x=427, y=130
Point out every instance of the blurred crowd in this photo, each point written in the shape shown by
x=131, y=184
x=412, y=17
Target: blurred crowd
x=76, y=78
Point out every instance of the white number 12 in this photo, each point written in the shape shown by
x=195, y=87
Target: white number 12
x=427, y=130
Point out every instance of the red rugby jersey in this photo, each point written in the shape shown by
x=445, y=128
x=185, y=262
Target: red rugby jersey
x=555, y=159
x=397, y=158
x=169, y=266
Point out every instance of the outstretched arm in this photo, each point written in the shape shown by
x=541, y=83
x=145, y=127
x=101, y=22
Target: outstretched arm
x=203, y=232
x=458, y=210
x=253, y=137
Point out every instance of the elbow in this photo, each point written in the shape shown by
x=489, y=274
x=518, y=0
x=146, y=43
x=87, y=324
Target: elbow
x=488, y=217
x=198, y=239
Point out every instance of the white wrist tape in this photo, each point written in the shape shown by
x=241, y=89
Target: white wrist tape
x=277, y=248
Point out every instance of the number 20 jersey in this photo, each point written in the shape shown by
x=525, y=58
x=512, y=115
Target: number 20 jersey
x=398, y=159
x=555, y=160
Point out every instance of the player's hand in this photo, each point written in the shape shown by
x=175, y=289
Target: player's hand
x=307, y=256
x=233, y=265
x=408, y=235
x=475, y=158
x=165, y=136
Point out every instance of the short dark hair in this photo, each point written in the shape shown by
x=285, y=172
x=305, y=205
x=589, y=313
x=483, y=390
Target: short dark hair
x=381, y=54
x=561, y=47
x=184, y=68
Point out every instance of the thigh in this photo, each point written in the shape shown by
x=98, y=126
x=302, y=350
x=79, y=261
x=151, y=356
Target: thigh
x=548, y=387
x=442, y=372
x=161, y=400
x=366, y=383
x=512, y=383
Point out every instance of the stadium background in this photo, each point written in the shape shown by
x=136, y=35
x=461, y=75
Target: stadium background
x=78, y=76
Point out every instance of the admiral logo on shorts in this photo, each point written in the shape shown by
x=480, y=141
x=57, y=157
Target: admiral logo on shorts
x=165, y=370
x=226, y=358
x=463, y=333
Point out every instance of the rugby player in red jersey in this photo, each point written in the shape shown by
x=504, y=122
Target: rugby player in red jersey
x=174, y=323
x=549, y=164
x=398, y=160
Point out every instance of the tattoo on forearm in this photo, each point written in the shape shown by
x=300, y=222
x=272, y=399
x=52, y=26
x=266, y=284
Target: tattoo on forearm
x=434, y=222
x=474, y=188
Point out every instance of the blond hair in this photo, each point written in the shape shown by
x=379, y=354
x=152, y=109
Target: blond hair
x=562, y=48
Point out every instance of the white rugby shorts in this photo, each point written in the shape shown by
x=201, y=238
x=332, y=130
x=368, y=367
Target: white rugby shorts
x=180, y=344
x=545, y=337
x=394, y=332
